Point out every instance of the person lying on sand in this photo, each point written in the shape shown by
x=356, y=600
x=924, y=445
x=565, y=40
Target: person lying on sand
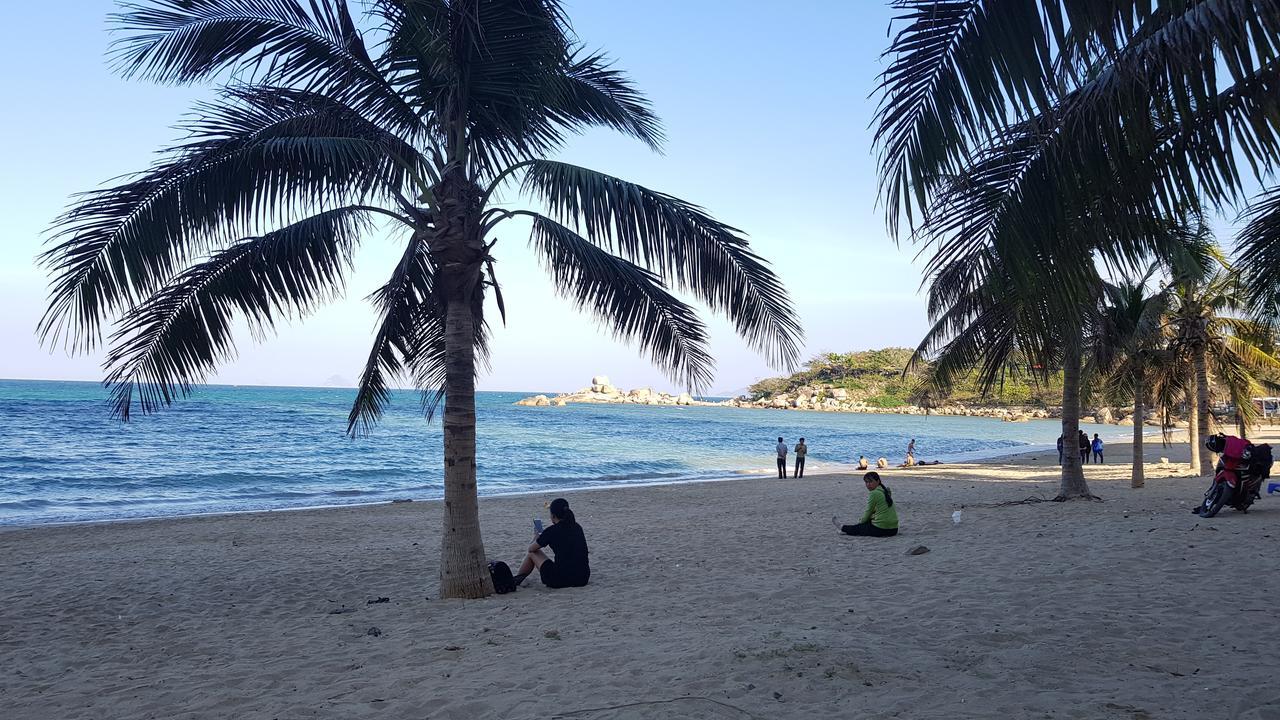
x=880, y=518
x=570, y=567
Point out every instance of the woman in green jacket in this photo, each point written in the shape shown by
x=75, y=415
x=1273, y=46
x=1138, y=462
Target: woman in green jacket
x=880, y=519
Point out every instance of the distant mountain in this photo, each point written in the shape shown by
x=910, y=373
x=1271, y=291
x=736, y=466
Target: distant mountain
x=338, y=381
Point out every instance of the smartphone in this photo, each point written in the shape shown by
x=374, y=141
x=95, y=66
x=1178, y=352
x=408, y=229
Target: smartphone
x=537, y=525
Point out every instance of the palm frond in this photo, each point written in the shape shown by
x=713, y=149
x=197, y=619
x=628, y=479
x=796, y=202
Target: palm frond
x=314, y=46
x=406, y=312
x=259, y=158
x=958, y=68
x=629, y=299
x=180, y=334
x=592, y=92
x=1258, y=253
x=681, y=243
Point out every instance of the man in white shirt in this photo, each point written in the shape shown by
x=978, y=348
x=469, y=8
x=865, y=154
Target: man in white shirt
x=782, y=459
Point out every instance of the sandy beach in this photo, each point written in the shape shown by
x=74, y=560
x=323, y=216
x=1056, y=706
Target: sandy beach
x=723, y=600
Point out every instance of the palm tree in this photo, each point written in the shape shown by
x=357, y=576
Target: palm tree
x=1129, y=341
x=1081, y=124
x=256, y=215
x=984, y=320
x=1221, y=346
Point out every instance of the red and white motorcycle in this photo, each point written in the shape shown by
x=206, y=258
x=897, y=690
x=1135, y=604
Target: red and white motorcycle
x=1237, y=480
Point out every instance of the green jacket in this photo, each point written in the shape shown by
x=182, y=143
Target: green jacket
x=880, y=512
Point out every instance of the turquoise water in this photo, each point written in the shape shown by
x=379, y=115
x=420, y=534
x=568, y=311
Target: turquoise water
x=62, y=458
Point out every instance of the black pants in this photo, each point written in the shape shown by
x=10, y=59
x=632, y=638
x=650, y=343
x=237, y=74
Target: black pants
x=868, y=529
x=799, y=467
x=1059, y=457
x=1084, y=457
x=782, y=467
x=1097, y=457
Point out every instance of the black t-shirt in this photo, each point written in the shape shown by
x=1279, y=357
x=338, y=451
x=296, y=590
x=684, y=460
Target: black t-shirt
x=570, y=546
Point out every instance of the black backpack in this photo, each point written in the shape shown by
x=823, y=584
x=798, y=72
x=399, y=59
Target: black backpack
x=503, y=581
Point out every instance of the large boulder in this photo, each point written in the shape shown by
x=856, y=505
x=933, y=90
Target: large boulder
x=1106, y=417
x=600, y=380
x=684, y=399
x=780, y=401
x=840, y=394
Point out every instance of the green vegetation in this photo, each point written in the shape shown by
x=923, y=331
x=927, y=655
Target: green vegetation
x=877, y=378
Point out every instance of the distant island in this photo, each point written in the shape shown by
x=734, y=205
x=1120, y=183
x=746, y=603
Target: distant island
x=870, y=381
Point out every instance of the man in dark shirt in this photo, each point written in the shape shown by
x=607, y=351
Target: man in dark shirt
x=570, y=568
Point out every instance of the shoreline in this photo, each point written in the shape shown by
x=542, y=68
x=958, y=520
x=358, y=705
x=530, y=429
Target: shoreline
x=825, y=469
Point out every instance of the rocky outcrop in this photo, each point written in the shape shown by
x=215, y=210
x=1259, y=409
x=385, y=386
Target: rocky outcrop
x=817, y=398
x=602, y=391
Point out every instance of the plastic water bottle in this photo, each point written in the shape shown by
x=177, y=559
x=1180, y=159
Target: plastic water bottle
x=955, y=517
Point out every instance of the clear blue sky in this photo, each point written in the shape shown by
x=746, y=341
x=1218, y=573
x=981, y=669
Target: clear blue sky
x=766, y=108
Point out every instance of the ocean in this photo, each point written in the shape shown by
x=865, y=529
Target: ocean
x=225, y=449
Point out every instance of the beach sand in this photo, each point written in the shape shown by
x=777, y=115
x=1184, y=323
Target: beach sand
x=717, y=600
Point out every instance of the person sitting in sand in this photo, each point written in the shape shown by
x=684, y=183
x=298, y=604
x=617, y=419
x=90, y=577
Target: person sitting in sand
x=909, y=462
x=570, y=567
x=880, y=518
x=882, y=463
x=862, y=462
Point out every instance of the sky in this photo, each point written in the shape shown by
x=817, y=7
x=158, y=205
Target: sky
x=767, y=109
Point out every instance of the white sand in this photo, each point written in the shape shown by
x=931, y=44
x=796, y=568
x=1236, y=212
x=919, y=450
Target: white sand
x=720, y=600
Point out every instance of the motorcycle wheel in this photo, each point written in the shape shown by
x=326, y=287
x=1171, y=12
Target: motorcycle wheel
x=1215, y=499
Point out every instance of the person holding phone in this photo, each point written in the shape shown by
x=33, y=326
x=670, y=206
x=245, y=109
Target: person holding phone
x=570, y=567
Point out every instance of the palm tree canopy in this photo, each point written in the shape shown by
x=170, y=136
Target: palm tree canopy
x=1167, y=96
x=255, y=215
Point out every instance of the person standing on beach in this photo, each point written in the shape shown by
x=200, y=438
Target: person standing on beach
x=1097, y=449
x=1059, y=449
x=911, y=448
x=801, y=451
x=782, y=459
x=1084, y=448
x=880, y=518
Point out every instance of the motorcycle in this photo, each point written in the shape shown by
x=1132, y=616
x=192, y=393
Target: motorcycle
x=1237, y=479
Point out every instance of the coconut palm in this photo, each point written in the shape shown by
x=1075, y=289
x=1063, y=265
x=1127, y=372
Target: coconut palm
x=1221, y=347
x=985, y=321
x=1128, y=342
x=314, y=137
x=1080, y=123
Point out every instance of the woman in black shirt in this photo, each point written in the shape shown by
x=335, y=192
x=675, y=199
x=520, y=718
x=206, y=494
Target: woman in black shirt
x=570, y=567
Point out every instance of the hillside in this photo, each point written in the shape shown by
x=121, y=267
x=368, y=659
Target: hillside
x=875, y=377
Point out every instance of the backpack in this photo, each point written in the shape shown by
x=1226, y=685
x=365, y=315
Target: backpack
x=503, y=581
x=1260, y=462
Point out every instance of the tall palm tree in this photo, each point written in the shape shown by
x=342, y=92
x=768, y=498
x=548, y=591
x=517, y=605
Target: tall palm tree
x=1091, y=121
x=985, y=320
x=256, y=215
x=1129, y=341
x=1222, y=347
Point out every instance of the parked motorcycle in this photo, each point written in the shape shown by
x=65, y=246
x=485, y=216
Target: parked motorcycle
x=1237, y=480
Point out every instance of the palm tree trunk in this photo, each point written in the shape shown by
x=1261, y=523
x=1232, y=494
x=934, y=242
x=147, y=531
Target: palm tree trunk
x=1073, y=484
x=1207, y=459
x=1138, y=479
x=1193, y=424
x=463, y=571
